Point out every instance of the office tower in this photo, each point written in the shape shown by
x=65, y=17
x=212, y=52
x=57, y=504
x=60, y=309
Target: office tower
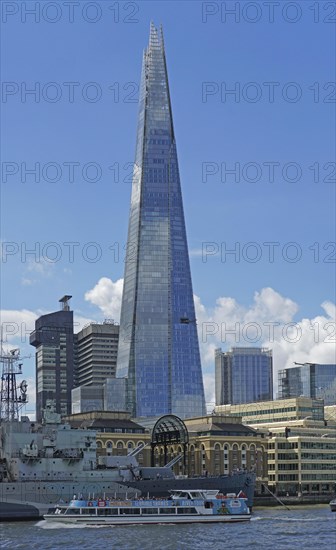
x=54, y=343
x=310, y=380
x=158, y=346
x=243, y=375
x=96, y=353
x=109, y=396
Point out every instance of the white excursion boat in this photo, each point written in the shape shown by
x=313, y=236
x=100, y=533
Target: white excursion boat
x=181, y=507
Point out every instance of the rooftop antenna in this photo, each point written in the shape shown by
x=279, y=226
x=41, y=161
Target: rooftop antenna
x=64, y=301
x=13, y=396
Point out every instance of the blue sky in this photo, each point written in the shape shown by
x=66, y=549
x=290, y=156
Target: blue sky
x=100, y=63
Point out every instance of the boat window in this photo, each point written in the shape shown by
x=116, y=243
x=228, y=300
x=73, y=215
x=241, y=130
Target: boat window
x=130, y=511
x=208, y=504
x=56, y=510
x=167, y=510
x=89, y=511
x=146, y=511
x=72, y=511
x=107, y=511
x=186, y=510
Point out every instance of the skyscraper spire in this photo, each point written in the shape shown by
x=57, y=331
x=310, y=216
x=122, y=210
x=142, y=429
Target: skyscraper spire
x=158, y=345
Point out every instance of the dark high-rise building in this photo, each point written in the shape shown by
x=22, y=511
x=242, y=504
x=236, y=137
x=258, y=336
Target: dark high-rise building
x=309, y=380
x=158, y=345
x=54, y=343
x=243, y=375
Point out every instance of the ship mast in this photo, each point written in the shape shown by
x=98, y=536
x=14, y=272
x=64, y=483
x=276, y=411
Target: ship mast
x=13, y=396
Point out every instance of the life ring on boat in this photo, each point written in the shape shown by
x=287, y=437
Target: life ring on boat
x=90, y=503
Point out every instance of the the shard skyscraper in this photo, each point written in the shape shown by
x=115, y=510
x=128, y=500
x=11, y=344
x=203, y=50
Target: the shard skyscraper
x=158, y=345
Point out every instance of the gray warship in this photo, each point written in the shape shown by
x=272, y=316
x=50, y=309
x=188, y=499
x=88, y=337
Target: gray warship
x=41, y=464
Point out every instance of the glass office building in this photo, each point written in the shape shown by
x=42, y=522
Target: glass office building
x=309, y=379
x=243, y=375
x=158, y=349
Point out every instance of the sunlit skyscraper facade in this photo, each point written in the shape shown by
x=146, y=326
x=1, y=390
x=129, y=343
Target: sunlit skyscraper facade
x=243, y=375
x=309, y=379
x=158, y=345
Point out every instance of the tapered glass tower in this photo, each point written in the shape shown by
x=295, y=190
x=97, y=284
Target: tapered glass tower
x=158, y=345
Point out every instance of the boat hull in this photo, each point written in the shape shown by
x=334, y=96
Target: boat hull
x=150, y=521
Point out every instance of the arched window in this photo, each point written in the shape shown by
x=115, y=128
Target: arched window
x=99, y=444
x=252, y=455
x=170, y=430
x=191, y=460
x=120, y=448
x=243, y=456
x=226, y=459
x=217, y=458
x=130, y=445
x=109, y=446
x=203, y=456
x=234, y=456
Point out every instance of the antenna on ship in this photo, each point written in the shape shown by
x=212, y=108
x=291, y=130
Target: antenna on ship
x=13, y=396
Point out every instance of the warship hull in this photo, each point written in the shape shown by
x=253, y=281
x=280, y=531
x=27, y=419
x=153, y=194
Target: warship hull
x=27, y=500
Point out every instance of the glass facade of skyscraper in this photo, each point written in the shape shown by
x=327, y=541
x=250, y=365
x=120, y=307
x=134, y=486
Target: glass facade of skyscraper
x=158, y=346
x=243, y=375
x=311, y=380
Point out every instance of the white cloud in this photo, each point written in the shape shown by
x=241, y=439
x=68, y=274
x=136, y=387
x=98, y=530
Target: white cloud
x=35, y=269
x=80, y=322
x=196, y=252
x=42, y=266
x=107, y=296
x=329, y=308
x=17, y=324
x=27, y=282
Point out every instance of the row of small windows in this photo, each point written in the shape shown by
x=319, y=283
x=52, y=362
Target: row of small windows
x=315, y=445
x=118, y=445
x=321, y=466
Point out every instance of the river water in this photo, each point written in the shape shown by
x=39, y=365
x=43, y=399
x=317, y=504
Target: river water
x=302, y=528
